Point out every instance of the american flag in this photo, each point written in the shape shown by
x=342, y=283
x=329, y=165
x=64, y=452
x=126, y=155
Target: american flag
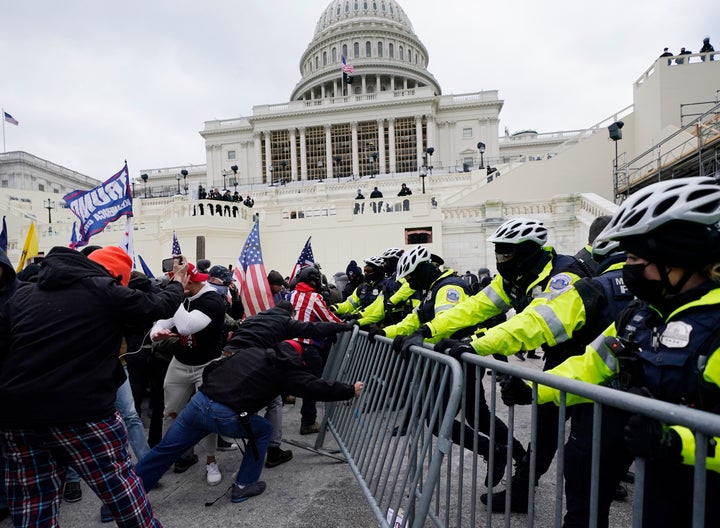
x=347, y=68
x=250, y=276
x=10, y=119
x=176, y=246
x=127, y=243
x=306, y=258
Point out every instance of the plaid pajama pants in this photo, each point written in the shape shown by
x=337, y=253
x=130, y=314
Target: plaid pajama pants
x=37, y=460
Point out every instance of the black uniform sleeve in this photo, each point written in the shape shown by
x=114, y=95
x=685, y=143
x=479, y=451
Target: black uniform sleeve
x=305, y=385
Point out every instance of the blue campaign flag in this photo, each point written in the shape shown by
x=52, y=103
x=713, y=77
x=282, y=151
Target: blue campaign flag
x=98, y=207
x=145, y=268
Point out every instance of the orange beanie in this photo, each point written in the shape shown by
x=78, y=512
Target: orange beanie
x=115, y=260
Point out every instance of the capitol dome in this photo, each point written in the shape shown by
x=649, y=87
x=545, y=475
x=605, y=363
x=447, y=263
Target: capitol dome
x=377, y=38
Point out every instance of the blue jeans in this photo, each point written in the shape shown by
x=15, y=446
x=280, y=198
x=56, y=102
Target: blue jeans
x=201, y=417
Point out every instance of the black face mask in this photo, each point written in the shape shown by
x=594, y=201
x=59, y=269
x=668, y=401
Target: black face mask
x=650, y=291
x=526, y=257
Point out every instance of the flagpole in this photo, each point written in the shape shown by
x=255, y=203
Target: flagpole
x=3, y=120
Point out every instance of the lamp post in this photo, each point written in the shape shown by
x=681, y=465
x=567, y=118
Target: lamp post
x=430, y=151
x=615, y=132
x=184, y=175
x=320, y=168
x=133, y=187
x=49, y=205
x=177, y=177
x=224, y=179
x=272, y=175
x=338, y=160
x=234, y=168
x=423, y=175
x=481, y=150
x=144, y=179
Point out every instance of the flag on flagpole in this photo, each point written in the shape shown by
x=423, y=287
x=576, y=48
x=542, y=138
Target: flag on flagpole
x=105, y=203
x=176, y=246
x=3, y=236
x=10, y=119
x=145, y=268
x=127, y=243
x=347, y=68
x=250, y=277
x=306, y=258
x=30, y=249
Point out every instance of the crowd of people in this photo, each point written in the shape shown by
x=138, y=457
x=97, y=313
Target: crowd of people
x=680, y=58
x=225, y=195
x=636, y=309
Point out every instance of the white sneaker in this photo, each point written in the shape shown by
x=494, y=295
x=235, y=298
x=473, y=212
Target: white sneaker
x=213, y=474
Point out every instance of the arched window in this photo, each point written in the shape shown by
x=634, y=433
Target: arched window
x=409, y=55
x=380, y=49
x=344, y=50
x=324, y=58
x=401, y=56
x=391, y=50
x=334, y=55
x=368, y=49
x=356, y=50
x=317, y=62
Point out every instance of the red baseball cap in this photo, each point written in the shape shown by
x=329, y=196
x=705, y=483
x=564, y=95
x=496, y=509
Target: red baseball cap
x=194, y=275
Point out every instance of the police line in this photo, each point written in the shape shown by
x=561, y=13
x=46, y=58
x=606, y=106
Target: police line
x=397, y=436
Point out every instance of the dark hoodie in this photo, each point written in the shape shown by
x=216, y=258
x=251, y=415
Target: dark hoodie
x=9, y=282
x=268, y=328
x=248, y=381
x=59, y=340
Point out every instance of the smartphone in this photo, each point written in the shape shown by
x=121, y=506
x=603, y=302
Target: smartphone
x=167, y=264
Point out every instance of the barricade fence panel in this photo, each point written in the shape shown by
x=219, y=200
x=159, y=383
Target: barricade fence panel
x=429, y=436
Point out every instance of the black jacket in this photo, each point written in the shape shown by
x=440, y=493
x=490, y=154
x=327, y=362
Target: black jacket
x=59, y=341
x=268, y=328
x=9, y=282
x=249, y=380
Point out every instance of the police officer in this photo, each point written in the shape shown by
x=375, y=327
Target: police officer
x=367, y=292
x=669, y=232
x=529, y=274
x=577, y=315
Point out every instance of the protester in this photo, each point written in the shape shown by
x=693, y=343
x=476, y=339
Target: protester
x=58, y=409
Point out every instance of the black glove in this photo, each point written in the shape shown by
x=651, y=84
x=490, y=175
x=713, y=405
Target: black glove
x=350, y=317
x=444, y=345
x=646, y=437
x=372, y=334
x=401, y=344
x=346, y=327
x=514, y=391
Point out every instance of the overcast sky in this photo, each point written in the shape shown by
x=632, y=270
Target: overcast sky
x=95, y=82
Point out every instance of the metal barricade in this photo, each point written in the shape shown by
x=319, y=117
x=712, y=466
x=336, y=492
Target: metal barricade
x=395, y=437
x=703, y=424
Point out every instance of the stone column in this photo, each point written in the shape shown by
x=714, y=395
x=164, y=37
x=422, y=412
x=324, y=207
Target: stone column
x=364, y=87
x=381, y=146
x=303, y=155
x=328, y=152
x=268, y=157
x=419, y=141
x=430, y=120
x=293, y=156
x=355, y=159
x=391, y=147
x=256, y=173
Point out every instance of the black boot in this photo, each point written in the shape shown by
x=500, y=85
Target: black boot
x=498, y=471
x=277, y=456
x=518, y=500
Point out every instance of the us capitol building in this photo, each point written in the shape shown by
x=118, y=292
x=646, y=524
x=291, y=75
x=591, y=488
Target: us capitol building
x=303, y=161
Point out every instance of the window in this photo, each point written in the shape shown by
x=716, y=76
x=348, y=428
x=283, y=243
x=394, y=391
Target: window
x=324, y=58
x=41, y=187
x=409, y=55
x=467, y=133
x=231, y=154
x=344, y=50
x=317, y=62
x=400, y=53
x=334, y=55
x=418, y=235
x=4, y=184
x=368, y=49
x=356, y=50
x=380, y=49
x=391, y=49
